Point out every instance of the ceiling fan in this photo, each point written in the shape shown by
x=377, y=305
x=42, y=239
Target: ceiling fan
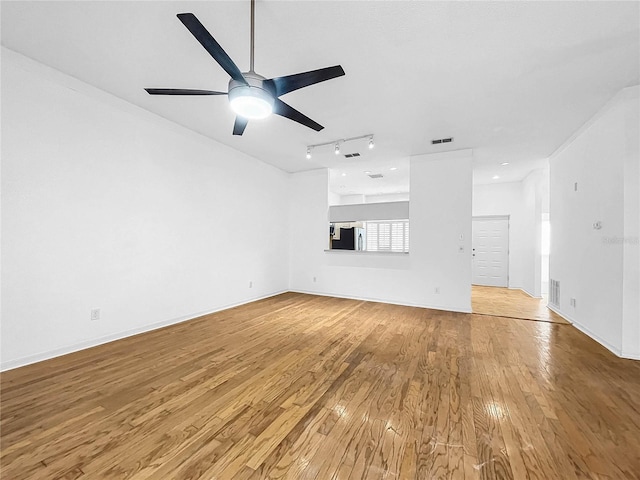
x=251, y=95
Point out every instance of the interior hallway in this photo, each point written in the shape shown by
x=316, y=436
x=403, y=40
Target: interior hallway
x=505, y=302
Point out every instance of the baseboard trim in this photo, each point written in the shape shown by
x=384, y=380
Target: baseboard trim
x=523, y=290
x=39, y=357
x=391, y=302
x=531, y=294
x=630, y=356
x=76, y=347
x=612, y=348
x=563, y=315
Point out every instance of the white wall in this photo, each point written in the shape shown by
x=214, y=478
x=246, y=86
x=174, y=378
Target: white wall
x=387, y=197
x=523, y=202
x=107, y=206
x=631, y=237
x=440, y=211
x=533, y=186
x=599, y=267
x=352, y=199
x=335, y=199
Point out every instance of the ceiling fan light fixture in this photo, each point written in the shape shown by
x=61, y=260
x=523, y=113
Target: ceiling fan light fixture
x=251, y=102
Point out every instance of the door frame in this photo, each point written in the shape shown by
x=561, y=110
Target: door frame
x=494, y=217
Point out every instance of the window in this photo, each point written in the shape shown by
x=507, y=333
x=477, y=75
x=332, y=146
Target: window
x=388, y=236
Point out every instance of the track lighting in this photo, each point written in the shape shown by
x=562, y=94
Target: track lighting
x=337, y=143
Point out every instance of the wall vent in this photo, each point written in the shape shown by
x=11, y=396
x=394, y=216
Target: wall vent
x=376, y=175
x=442, y=140
x=554, y=292
x=349, y=155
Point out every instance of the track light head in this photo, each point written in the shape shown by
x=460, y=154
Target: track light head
x=337, y=149
x=308, y=153
x=371, y=144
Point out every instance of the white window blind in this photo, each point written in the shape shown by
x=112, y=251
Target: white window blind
x=371, y=229
x=388, y=236
x=406, y=236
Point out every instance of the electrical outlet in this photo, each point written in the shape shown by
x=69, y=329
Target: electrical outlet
x=250, y=284
x=95, y=314
x=572, y=302
x=314, y=279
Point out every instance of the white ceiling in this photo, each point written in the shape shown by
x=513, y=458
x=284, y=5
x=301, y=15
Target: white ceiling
x=352, y=177
x=511, y=80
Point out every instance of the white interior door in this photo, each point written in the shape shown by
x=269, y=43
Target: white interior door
x=490, y=254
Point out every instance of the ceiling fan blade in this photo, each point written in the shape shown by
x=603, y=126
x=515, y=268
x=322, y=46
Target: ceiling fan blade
x=210, y=45
x=239, y=125
x=290, y=83
x=284, y=110
x=181, y=91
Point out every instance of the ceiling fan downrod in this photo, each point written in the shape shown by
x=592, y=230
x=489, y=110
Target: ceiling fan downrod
x=253, y=14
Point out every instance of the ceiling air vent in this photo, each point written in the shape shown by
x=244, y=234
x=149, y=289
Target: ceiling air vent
x=375, y=175
x=442, y=140
x=349, y=155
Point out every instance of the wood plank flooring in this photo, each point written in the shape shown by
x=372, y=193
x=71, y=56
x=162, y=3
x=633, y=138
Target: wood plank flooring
x=304, y=387
x=505, y=302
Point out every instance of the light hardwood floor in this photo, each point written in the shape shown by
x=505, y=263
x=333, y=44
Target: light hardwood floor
x=305, y=387
x=505, y=302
